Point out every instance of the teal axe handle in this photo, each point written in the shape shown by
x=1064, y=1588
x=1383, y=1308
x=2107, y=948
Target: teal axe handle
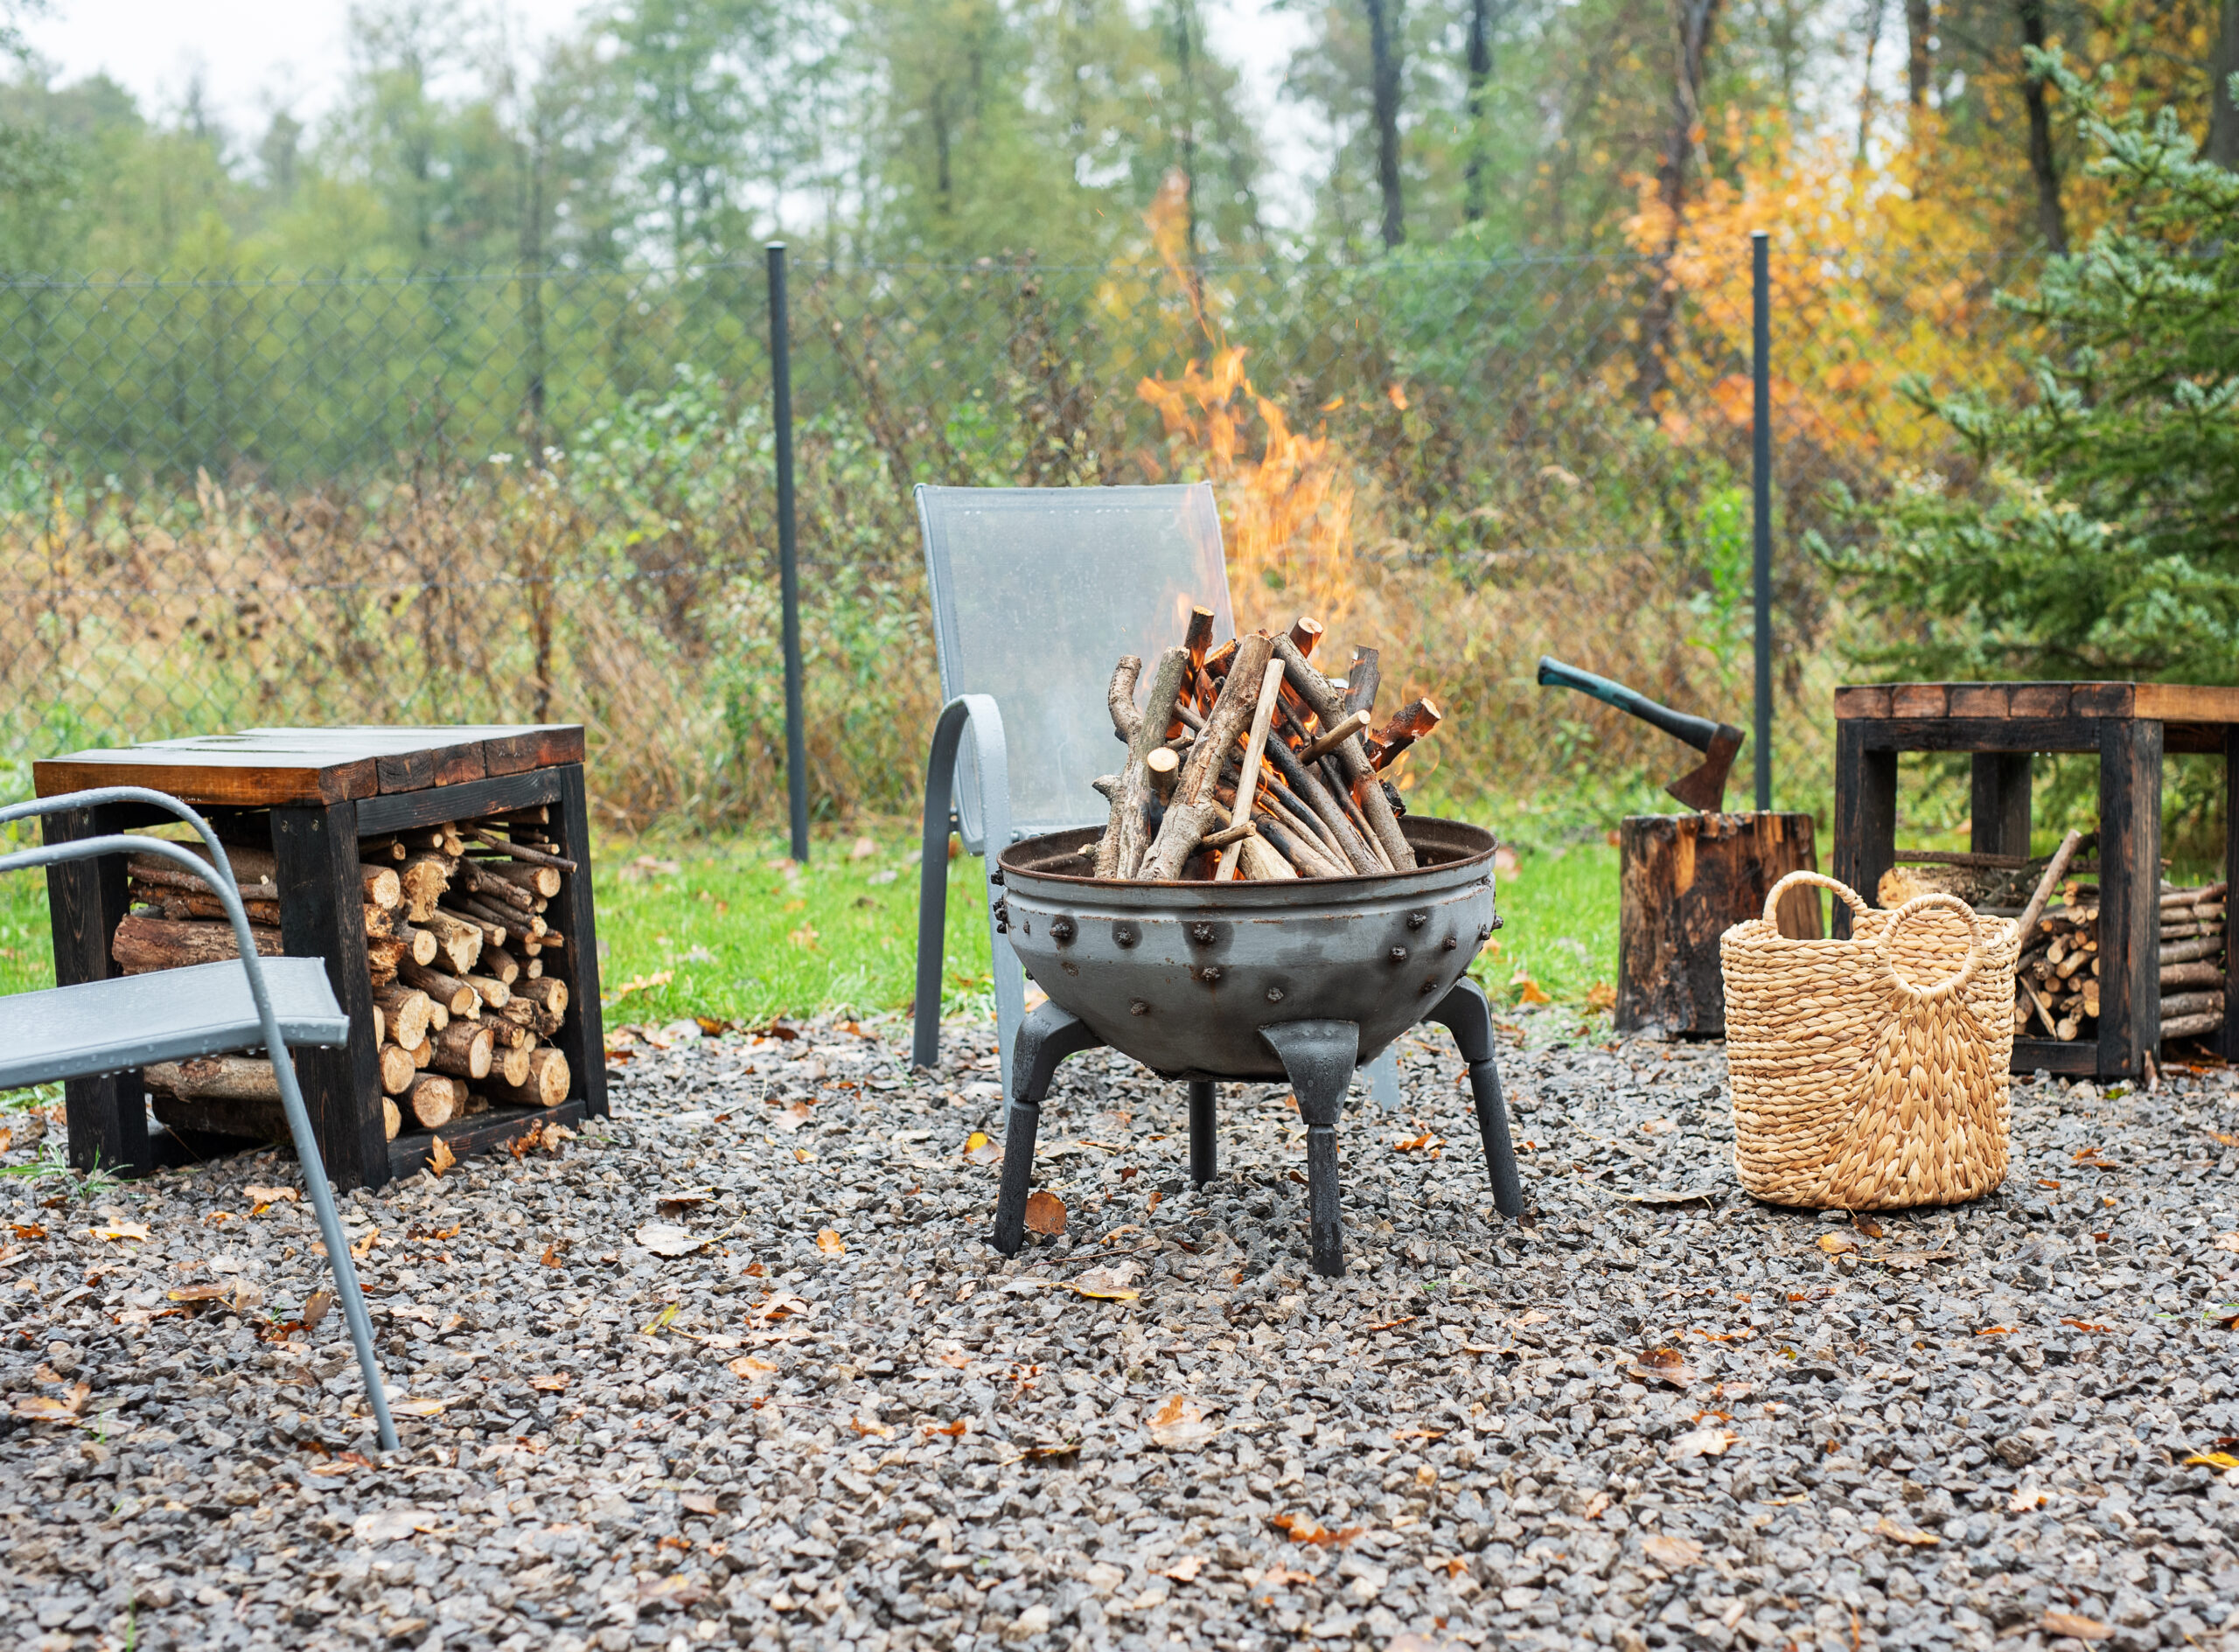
x=1695, y=731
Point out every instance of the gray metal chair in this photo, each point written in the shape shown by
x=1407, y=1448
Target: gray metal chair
x=128, y=1022
x=1036, y=593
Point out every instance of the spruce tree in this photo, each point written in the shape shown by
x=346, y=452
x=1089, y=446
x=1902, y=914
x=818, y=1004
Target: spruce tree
x=2099, y=537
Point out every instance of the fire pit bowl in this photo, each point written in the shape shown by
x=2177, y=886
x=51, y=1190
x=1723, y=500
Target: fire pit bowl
x=1300, y=981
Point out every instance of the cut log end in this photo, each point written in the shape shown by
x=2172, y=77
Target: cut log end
x=433, y=1100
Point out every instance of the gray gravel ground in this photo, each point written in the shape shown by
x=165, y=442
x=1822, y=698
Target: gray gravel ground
x=1949, y=1426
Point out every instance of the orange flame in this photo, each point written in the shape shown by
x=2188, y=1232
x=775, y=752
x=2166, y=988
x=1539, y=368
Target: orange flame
x=1288, y=514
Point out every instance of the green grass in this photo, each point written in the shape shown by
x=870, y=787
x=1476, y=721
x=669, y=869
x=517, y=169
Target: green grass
x=1558, y=911
x=732, y=930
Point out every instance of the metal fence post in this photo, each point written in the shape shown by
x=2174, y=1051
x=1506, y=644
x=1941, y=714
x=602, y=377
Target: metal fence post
x=781, y=396
x=1761, y=374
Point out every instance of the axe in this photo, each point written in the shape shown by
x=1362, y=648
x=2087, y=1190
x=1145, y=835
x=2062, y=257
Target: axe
x=1702, y=788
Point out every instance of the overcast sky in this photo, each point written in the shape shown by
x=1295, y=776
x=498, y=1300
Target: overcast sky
x=256, y=55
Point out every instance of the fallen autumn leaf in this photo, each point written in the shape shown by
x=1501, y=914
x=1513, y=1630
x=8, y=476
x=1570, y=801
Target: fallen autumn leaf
x=1045, y=1213
x=830, y=1242
x=1300, y=1529
x=1909, y=1535
x=1665, y=1365
x=1672, y=1553
x=1110, y=1282
x=664, y=1239
x=1179, y=1425
x=1708, y=1441
x=2069, y=1623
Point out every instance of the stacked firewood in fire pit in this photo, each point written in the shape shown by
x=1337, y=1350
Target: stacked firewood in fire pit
x=457, y=942
x=1245, y=762
x=2057, y=983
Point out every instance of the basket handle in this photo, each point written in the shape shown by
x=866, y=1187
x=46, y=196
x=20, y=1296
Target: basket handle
x=1816, y=880
x=1884, y=953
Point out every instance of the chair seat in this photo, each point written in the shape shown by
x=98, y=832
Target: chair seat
x=106, y=1027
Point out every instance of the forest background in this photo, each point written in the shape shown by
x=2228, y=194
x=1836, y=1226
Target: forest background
x=455, y=406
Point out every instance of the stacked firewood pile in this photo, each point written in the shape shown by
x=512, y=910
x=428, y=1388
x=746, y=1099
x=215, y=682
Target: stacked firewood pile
x=1245, y=762
x=2057, y=984
x=457, y=936
x=2056, y=980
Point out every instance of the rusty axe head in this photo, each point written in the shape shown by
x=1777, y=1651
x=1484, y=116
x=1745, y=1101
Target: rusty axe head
x=1703, y=787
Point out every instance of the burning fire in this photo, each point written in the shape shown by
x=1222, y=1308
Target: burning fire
x=1286, y=515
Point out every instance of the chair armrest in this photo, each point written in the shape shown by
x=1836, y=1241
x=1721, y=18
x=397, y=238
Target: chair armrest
x=218, y=871
x=100, y=795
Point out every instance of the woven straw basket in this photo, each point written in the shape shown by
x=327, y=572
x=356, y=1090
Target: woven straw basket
x=1855, y=1086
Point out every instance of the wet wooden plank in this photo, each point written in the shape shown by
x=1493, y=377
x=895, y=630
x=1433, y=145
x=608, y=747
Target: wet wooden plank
x=219, y=778
x=1862, y=700
x=1919, y=699
x=2102, y=699
x=2037, y=699
x=1981, y=700
x=2187, y=702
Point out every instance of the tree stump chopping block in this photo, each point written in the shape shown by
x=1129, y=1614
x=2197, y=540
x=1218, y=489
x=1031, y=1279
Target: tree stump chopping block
x=1685, y=880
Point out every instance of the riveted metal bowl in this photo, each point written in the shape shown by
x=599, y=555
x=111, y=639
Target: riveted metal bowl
x=1182, y=976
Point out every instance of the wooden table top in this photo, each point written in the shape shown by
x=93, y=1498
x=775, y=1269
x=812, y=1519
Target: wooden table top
x=2155, y=702
x=262, y=768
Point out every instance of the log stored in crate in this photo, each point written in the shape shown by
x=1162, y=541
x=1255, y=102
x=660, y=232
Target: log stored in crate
x=444, y=874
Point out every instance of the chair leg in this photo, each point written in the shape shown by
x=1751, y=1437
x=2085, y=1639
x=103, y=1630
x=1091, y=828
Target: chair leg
x=1045, y=1038
x=1318, y=1059
x=338, y=1245
x=1204, y=1143
x=1384, y=1080
x=933, y=897
x=1465, y=1014
x=1010, y=996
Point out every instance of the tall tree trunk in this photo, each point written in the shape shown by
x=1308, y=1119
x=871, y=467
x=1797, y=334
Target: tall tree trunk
x=2223, y=119
x=532, y=256
x=1384, y=63
x=943, y=185
x=1920, y=53
x=1691, y=22
x=2051, y=222
x=1185, y=59
x=1874, y=10
x=1481, y=74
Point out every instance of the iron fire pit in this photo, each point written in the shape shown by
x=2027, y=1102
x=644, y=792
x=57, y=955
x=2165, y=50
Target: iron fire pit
x=1300, y=981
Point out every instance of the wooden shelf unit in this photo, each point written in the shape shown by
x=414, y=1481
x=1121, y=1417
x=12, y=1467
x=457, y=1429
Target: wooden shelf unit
x=323, y=790
x=2129, y=727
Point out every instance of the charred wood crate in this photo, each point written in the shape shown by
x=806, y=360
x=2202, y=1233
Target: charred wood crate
x=2139, y=939
x=444, y=874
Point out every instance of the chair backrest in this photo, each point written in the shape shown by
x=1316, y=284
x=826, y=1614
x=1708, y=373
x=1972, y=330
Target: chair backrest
x=1037, y=593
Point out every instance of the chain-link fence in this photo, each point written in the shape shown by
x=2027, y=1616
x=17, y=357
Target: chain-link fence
x=490, y=496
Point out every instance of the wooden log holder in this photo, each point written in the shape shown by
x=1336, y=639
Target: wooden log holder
x=2129, y=727
x=314, y=806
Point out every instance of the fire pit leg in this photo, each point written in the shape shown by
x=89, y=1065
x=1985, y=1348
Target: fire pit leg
x=1464, y=1013
x=1045, y=1038
x=1318, y=1057
x=1204, y=1146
